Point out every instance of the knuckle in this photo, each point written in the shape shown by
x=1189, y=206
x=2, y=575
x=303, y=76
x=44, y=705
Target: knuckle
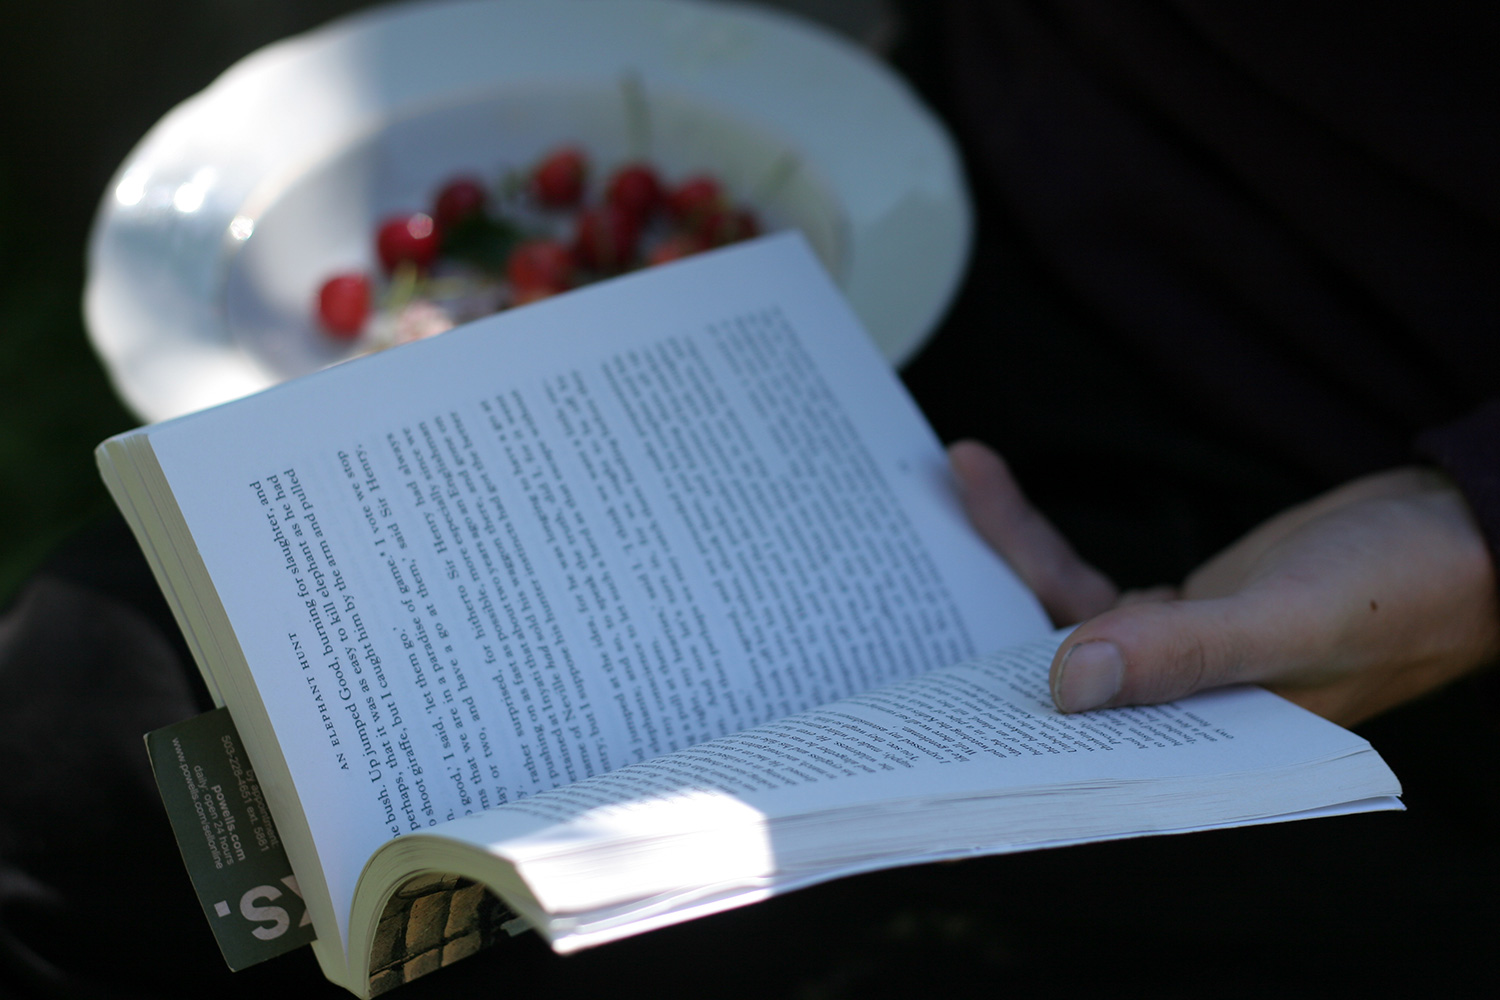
x=1172, y=648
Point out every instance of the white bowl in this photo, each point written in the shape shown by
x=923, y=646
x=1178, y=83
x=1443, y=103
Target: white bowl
x=217, y=230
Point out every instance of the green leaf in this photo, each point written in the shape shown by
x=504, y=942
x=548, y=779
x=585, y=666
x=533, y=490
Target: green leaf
x=482, y=241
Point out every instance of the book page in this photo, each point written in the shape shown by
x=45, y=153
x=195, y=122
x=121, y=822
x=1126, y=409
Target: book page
x=575, y=536
x=969, y=758
x=991, y=718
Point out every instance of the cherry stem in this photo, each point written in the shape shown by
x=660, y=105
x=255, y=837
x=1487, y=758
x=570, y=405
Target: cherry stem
x=777, y=176
x=405, y=281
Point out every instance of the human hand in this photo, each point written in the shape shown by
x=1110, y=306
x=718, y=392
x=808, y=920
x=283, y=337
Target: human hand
x=1363, y=598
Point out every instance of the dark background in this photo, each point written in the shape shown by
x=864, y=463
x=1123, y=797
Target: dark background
x=82, y=81
x=1382, y=905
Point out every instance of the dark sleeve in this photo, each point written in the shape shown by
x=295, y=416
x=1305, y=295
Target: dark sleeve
x=1469, y=451
x=1286, y=211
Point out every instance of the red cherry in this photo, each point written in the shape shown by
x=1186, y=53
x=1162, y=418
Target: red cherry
x=558, y=180
x=634, y=189
x=538, y=265
x=606, y=238
x=720, y=226
x=676, y=247
x=459, y=199
x=749, y=224
x=344, y=305
x=693, y=198
x=534, y=293
x=413, y=238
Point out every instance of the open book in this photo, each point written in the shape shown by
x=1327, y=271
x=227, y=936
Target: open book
x=644, y=602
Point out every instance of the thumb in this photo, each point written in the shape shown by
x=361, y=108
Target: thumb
x=1159, y=651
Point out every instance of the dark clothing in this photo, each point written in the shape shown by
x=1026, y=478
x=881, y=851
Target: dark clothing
x=1272, y=231
x=1229, y=255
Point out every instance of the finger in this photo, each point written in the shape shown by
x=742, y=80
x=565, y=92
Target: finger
x=1226, y=573
x=1354, y=610
x=1157, y=651
x=1147, y=595
x=1069, y=588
